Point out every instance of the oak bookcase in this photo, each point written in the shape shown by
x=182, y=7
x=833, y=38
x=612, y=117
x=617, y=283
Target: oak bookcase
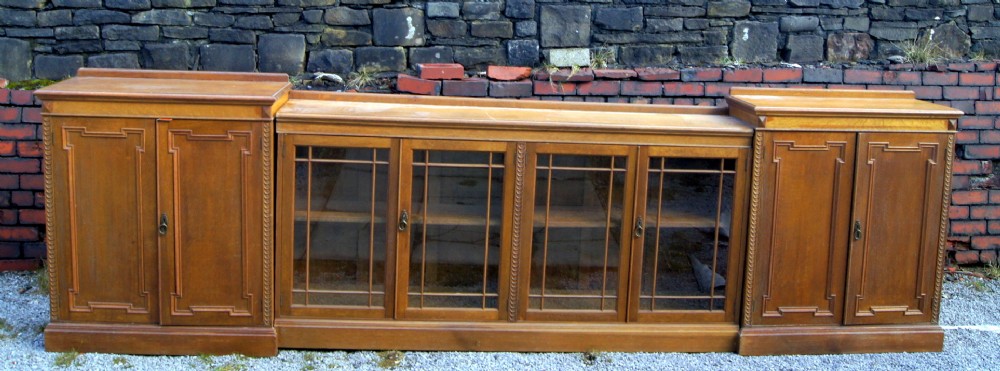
x=194, y=212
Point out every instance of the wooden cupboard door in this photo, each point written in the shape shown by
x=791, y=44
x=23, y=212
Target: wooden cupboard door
x=103, y=205
x=578, y=213
x=335, y=197
x=453, y=211
x=898, y=227
x=688, y=238
x=211, y=222
x=800, y=212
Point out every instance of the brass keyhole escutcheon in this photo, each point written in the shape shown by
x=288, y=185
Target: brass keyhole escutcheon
x=163, y=224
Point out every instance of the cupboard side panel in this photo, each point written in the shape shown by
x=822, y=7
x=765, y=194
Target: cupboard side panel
x=103, y=192
x=895, y=238
x=800, y=211
x=212, y=194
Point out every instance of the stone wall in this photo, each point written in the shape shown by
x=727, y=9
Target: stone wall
x=52, y=38
x=971, y=87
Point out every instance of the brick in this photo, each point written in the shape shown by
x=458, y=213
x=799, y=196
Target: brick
x=747, y=75
x=658, y=74
x=581, y=75
x=986, y=66
x=701, y=74
x=34, y=250
x=441, y=71
x=466, y=88
x=9, y=250
x=8, y=217
x=554, y=88
x=972, y=167
x=967, y=107
x=961, y=182
x=9, y=181
x=20, y=265
x=885, y=87
x=847, y=87
x=39, y=198
x=783, y=75
x=9, y=115
x=993, y=227
x=994, y=197
x=940, y=78
x=32, y=182
x=16, y=131
x=8, y=148
x=413, y=85
x=29, y=149
x=961, y=93
x=901, y=77
x=967, y=137
x=988, y=136
x=862, y=77
x=22, y=97
x=4, y=93
x=18, y=233
x=31, y=115
x=642, y=88
x=31, y=216
x=510, y=89
x=988, y=108
x=984, y=212
x=985, y=242
x=20, y=165
x=968, y=227
x=972, y=122
x=683, y=89
x=977, y=79
x=966, y=257
x=988, y=256
x=958, y=212
x=614, y=74
x=962, y=67
x=600, y=88
x=975, y=197
x=978, y=152
x=507, y=73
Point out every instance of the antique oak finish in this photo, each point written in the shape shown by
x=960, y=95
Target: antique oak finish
x=848, y=221
x=158, y=186
x=802, y=221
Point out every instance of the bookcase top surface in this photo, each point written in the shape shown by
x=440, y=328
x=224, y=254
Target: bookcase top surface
x=842, y=103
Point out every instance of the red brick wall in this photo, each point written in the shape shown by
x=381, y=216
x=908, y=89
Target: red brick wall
x=971, y=87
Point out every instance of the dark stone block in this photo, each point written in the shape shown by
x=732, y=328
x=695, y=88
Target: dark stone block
x=702, y=54
x=695, y=24
x=823, y=75
x=72, y=47
x=715, y=37
x=480, y=57
x=976, y=13
x=313, y=16
x=617, y=38
x=165, y=56
x=78, y=33
x=804, y=48
x=798, y=23
x=235, y=58
x=167, y=17
x=128, y=4
x=57, y=67
x=465, y=88
x=344, y=16
x=443, y=10
x=989, y=48
x=565, y=25
x=805, y=3
x=62, y=17
x=887, y=14
x=183, y=3
x=398, y=27
x=285, y=19
x=187, y=33
x=729, y=8
x=30, y=32
x=674, y=11
x=435, y=54
x=894, y=34
x=232, y=36
x=214, y=19
x=657, y=25
x=77, y=3
x=23, y=4
x=378, y=59
x=88, y=16
x=831, y=23
x=338, y=61
x=848, y=47
x=247, y=2
x=857, y=24
x=15, y=61
x=647, y=55
x=619, y=19
x=140, y=33
x=307, y=3
x=755, y=41
x=954, y=42
x=114, y=60
x=837, y=4
x=501, y=29
x=20, y=18
x=985, y=32
x=671, y=38
x=125, y=45
x=521, y=9
x=281, y=53
x=364, y=2
x=447, y=28
x=255, y=22
x=526, y=28
x=486, y=10
x=922, y=14
x=523, y=53
x=345, y=37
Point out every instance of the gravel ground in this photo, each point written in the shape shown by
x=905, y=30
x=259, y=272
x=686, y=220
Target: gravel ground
x=970, y=314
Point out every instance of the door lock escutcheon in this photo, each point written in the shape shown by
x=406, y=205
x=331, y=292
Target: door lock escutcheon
x=640, y=226
x=857, y=230
x=163, y=224
x=404, y=220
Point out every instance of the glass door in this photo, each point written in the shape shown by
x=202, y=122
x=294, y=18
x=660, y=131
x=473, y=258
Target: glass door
x=452, y=213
